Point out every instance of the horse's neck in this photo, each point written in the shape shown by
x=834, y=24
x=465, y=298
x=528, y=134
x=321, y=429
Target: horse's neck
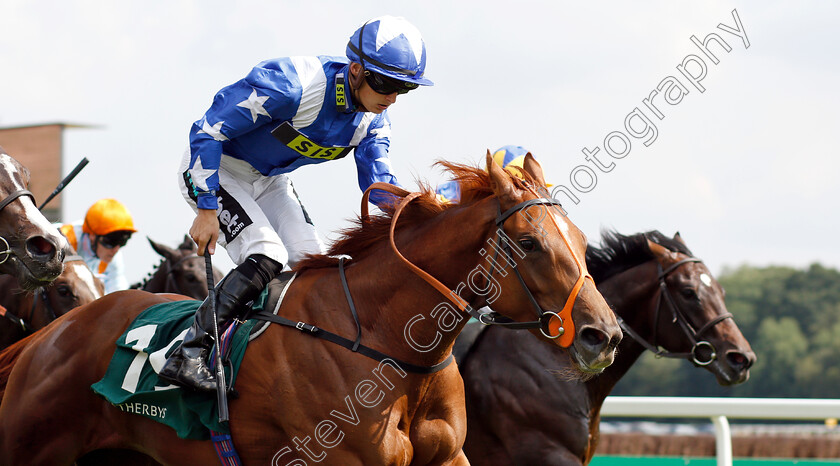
x=402, y=310
x=632, y=294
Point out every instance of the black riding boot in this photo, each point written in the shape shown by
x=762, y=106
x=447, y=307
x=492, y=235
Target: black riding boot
x=187, y=366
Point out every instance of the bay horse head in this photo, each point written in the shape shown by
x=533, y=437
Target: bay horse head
x=182, y=271
x=27, y=311
x=692, y=320
x=30, y=247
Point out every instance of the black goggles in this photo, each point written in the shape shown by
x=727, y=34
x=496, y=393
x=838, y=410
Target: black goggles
x=384, y=85
x=112, y=240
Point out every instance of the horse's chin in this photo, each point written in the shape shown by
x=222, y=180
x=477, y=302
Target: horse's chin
x=572, y=373
x=29, y=280
x=727, y=377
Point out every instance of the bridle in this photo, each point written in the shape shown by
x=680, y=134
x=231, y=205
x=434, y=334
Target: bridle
x=679, y=317
x=40, y=293
x=7, y=251
x=171, y=284
x=546, y=322
x=545, y=318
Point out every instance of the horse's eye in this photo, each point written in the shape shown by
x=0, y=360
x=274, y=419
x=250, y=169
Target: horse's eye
x=689, y=293
x=528, y=244
x=64, y=291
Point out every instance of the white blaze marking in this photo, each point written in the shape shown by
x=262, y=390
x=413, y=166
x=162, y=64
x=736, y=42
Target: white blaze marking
x=561, y=222
x=707, y=280
x=30, y=210
x=84, y=273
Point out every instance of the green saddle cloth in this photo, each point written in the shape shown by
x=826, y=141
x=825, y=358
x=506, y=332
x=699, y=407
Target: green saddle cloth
x=131, y=382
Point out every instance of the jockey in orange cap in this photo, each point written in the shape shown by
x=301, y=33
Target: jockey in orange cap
x=106, y=228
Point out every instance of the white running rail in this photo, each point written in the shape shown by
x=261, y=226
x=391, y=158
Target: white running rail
x=719, y=409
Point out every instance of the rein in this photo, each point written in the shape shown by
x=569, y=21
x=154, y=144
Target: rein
x=7, y=251
x=679, y=317
x=546, y=322
x=39, y=293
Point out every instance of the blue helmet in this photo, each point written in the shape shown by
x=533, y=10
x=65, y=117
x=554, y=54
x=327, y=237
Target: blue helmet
x=390, y=46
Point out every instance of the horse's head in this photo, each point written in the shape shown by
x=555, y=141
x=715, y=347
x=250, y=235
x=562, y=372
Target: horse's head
x=550, y=280
x=77, y=285
x=693, y=317
x=30, y=247
x=182, y=270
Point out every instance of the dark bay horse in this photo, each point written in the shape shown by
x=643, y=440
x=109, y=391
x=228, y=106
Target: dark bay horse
x=181, y=271
x=26, y=311
x=306, y=399
x=30, y=248
x=523, y=411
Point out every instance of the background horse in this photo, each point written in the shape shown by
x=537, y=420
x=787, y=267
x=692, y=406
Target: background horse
x=29, y=311
x=293, y=386
x=521, y=413
x=181, y=271
x=30, y=248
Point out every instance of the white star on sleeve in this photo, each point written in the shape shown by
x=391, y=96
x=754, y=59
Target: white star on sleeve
x=385, y=161
x=215, y=131
x=383, y=132
x=200, y=174
x=254, y=103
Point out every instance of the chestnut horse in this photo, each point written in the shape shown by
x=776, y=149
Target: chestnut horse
x=29, y=311
x=30, y=248
x=304, y=399
x=526, y=412
x=181, y=271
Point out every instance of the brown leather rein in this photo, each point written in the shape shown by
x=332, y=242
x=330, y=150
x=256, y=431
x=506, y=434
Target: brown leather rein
x=551, y=324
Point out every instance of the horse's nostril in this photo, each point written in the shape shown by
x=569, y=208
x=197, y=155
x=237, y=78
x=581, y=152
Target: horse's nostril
x=592, y=337
x=38, y=246
x=738, y=361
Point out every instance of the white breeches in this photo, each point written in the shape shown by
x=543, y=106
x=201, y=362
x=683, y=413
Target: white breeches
x=258, y=214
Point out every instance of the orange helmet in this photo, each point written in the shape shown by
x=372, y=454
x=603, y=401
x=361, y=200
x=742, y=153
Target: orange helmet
x=107, y=216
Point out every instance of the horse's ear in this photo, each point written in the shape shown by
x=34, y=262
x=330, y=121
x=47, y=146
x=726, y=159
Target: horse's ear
x=678, y=238
x=534, y=169
x=663, y=255
x=499, y=180
x=188, y=244
x=163, y=250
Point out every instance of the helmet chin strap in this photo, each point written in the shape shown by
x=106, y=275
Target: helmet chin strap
x=355, y=82
x=94, y=245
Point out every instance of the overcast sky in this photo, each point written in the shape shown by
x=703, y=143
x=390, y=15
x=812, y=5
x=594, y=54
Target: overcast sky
x=746, y=170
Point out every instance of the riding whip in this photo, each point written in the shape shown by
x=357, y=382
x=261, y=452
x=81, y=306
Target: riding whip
x=67, y=179
x=221, y=390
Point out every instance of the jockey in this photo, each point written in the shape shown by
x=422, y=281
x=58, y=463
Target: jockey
x=286, y=113
x=510, y=158
x=106, y=228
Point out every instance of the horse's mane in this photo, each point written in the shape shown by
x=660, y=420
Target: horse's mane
x=186, y=245
x=142, y=283
x=619, y=252
x=357, y=240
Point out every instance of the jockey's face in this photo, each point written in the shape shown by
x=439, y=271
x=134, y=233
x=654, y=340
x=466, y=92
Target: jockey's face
x=366, y=98
x=104, y=254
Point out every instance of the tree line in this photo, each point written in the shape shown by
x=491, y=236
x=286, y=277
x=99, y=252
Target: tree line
x=791, y=317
